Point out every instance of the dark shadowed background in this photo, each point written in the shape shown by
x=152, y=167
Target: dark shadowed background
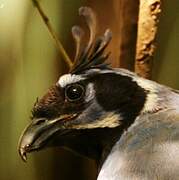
x=30, y=63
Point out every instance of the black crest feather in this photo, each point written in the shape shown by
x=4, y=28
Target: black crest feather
x=91, y=55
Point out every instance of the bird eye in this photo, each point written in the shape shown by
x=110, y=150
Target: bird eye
x=74, y=92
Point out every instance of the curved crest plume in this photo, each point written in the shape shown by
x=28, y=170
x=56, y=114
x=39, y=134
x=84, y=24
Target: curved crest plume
x=90, y=55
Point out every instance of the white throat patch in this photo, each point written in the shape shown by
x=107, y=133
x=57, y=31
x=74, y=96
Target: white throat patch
x=69, y=79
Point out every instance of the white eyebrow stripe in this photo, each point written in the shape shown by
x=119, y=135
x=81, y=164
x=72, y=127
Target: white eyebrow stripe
x=69, y=79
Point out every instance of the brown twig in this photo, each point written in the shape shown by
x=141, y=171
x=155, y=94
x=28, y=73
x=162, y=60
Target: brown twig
x=53, y=33
x=147, y=29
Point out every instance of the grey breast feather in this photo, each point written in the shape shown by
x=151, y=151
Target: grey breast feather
x=148, y=150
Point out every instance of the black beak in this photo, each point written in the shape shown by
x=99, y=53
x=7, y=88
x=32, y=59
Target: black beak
x=37, y=134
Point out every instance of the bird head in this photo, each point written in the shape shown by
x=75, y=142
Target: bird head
x=87, y=109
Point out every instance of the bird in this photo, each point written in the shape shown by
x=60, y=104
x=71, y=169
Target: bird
x=129, y=125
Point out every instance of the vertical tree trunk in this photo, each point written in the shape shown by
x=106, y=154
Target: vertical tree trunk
x=147, y=29
x=128, y=20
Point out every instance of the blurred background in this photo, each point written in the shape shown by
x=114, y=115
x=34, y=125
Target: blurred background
x=30, y=64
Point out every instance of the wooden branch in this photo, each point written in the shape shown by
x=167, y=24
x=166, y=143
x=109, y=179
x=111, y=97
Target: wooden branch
x=129, y=10
x=147, y=29
x=53, y=33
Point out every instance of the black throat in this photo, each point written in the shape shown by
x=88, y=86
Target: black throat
x=94, y=144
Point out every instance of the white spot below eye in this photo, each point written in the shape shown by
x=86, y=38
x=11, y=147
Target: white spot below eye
x=69, y=79
x=90, y=92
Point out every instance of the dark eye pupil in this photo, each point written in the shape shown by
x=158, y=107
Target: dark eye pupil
x=74, y=92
